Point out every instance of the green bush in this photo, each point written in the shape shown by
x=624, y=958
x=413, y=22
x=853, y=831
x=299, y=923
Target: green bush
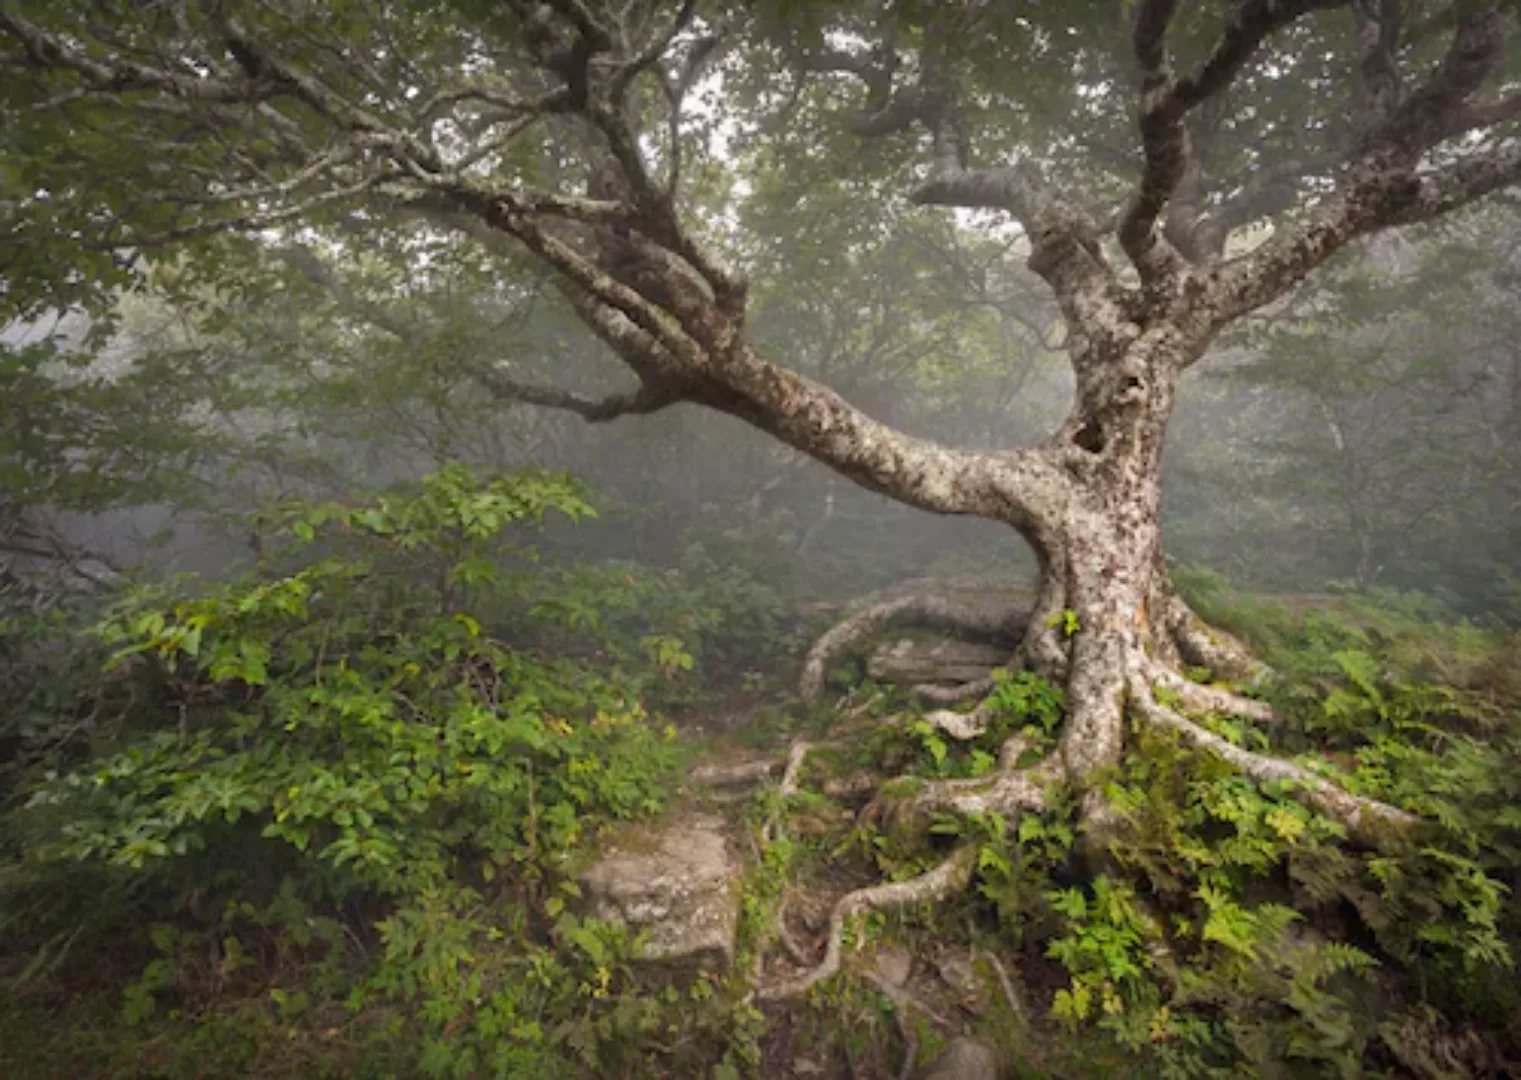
x=342, y=732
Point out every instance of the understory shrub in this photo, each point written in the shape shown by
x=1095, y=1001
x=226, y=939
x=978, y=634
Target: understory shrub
x=349, y=806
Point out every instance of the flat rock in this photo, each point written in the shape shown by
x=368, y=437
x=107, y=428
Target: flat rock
x=893, y=965
x=964, y=1059
x=677, y=881
x=935, y=660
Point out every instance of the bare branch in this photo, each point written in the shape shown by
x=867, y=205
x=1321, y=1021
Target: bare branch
x=652, y=52
x=1444, y=190
x=306, y=262
x=645, y=400
x=1386, y=183
x=254, y=221
x=1427, y=114
x=120, y=75
x=1476, y=117
x=1253, y=23
x=1165, y=103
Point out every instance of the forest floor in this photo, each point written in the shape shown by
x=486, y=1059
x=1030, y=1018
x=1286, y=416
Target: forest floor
x=915, y=981
x=1228, y=928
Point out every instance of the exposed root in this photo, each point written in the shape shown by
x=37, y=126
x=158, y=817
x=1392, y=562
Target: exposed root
x=945, y=880
x=1010, y=995
x=798, y=954
x=859, y=785
x=1044, y=649
x=1210, y=699
x=953, y=695
x=919, y=609
x=905, y=1002
x=737, y=774
x=1367, y=820
x=796, y=755
x=1204, y=646
x=1008, y=792
x=963, y=727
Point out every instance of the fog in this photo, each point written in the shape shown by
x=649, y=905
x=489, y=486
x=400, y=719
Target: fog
x=1373, y=451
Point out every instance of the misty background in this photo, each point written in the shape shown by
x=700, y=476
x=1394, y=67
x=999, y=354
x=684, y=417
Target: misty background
x=1364, y=434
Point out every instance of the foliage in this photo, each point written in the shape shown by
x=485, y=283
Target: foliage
x=341, y=724
x=667, y=630
x=1224, y=927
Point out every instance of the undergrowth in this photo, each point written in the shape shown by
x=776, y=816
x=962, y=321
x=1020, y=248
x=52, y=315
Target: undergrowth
x=1227, y=929
x=328, y=816
x=327, y=820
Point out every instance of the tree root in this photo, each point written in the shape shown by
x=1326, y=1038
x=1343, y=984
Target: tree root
x=917, y=608
x=1044, y=649
x=963, y=727
x=1210, y=699
x=1007, y=793
x=797, y=753
x=1010, y=995
x=798, y=954
x=738, y=774
x=950, y=877
x=1368, y=821
x=1116, y=677
x=1204, y=646
x=953, y=695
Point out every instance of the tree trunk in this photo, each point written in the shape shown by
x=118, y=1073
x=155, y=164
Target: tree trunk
x=1103, y=555
x=1107, y=623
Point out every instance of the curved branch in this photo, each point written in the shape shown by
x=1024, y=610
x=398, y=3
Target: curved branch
x=1252, y=23
x=652, y=52
x=1384, y=184
x=1378, y=199
x=1166, y=102
x=641, y=402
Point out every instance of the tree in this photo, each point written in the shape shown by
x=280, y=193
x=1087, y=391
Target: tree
x=1392, y=421
x=599, y=141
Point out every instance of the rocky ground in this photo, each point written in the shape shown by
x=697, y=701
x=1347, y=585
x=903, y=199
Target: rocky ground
x=907, y=1003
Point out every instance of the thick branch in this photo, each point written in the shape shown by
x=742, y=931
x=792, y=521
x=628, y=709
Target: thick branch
x=1380, y=199
x=641, y=402
x=120, y=75
x=1386, y=184
x=1166, y=102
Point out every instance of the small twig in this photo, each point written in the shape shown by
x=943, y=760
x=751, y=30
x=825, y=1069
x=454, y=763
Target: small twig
x=1005, y=984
